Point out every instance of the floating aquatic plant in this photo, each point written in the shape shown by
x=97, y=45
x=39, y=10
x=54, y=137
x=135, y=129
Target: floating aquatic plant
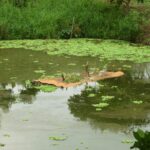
x=137, y=102
x=98, y=109
x=39, y=71
x=46, y=88
x=107, y=98
x=101, y=105
x=72, y=64
x=92, y=95
x=108, y=49
x=35, y=61
x=54, y=138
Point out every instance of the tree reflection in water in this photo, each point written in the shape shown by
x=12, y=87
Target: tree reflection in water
x=141, y=71
x=121, y=112
x=13, y=93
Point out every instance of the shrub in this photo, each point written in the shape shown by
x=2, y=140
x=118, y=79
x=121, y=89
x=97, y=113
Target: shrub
x=142, y=140
x=65, y=19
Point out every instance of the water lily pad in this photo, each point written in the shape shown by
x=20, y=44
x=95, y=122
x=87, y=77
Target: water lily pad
x=46, y=88
x=5, y=59
x=107, y=98
x=12, y=78
x=72, y=64
x=98, y=109
x=101, y=105
x=54, y=138
x=108, y=49
x=92, y=95
x=137, y=102
x=39, y=71
x=35, y=61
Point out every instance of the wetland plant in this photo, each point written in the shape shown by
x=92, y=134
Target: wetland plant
x=142, y=140
x=44, y=88
x=72, y=78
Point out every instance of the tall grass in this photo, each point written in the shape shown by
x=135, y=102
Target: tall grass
x=61, y=18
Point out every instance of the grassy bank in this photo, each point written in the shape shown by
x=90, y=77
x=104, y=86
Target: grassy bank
x=67, y=18
x=107, y=49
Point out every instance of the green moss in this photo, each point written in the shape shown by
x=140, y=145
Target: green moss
x=108, y=49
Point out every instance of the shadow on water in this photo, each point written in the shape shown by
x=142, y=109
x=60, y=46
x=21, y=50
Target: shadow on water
x=122, y=114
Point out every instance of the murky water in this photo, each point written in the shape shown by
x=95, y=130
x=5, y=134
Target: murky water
x=29, y=117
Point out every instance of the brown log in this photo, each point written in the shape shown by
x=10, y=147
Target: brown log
x=60, y=83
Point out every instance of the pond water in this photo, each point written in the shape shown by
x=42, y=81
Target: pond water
x=31, y=119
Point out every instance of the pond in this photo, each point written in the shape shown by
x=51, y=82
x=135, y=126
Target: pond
x=67, y=119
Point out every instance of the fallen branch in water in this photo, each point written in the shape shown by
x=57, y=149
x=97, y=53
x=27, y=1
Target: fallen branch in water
x=60, y=82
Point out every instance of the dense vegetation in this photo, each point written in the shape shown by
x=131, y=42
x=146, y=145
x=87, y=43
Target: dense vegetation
x=32, y=19
x=142, y=140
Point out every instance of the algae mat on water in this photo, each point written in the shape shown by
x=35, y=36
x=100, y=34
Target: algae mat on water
x=108, y=49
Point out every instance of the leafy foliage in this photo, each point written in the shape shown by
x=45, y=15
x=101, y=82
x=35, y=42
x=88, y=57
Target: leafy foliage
x=43, y=19
x=142, y=140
